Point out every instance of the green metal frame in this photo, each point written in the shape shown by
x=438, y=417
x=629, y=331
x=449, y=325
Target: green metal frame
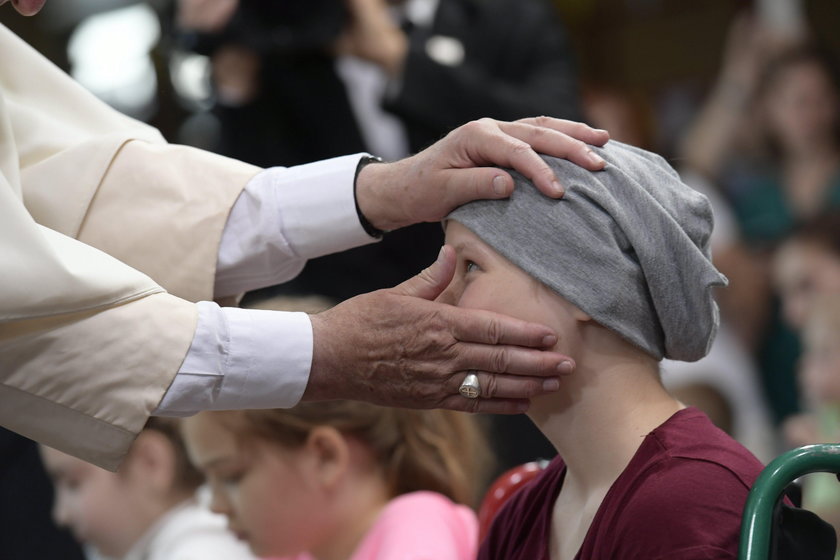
x=784, y=469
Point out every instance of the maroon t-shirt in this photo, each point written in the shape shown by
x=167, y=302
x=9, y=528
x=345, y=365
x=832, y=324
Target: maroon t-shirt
x=681, y=497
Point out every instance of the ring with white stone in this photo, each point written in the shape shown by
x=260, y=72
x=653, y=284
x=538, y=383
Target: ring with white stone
x=470, y=388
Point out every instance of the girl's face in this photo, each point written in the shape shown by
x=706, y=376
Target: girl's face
x=804, y=270
x=101, y=508
x=270, y=496
x=484, y=279
x=802, y=107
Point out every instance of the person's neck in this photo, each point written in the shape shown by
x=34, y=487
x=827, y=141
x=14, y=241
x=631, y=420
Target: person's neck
x=357, y=506
x=602, y=413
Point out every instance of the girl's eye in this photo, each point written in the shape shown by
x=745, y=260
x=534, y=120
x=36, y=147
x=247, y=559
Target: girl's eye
x=471, y=267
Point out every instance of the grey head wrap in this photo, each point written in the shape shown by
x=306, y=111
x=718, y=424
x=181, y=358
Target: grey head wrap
x=628, y=245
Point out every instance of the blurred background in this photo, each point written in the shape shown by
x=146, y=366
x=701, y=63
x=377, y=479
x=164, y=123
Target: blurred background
x=741, y=96
x=660, y=57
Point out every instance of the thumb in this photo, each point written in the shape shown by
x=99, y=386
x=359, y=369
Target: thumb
x=431, y=282
x=466, y=185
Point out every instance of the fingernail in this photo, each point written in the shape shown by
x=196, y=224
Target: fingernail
x=521, y=408
x=551, y=384
x=594, y=158
x=601, y=130
x=549, y=340
x=441, y=253
x=566, y=367
x=500, y=185
x=558, y=188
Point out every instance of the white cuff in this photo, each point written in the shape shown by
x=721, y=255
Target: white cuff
x=318, y=207
x=285, y=216
x=242, y=358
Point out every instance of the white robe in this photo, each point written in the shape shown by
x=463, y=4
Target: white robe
x=93, y=205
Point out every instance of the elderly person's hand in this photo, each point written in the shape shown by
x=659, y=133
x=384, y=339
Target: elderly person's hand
x=398, y=347
x=428, y=185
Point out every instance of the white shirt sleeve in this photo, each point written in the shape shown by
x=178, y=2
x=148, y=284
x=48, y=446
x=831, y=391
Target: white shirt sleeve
x=245, y=358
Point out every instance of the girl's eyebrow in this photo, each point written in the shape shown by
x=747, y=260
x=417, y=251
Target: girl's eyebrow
x=476, y=248
x=466, y=246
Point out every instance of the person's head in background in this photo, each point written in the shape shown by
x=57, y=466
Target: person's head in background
x=807, y=264
x=625, y=112
x=819, y=369
x=112, y=511
x=818, y=374
x=313, y=478
x=799, y=97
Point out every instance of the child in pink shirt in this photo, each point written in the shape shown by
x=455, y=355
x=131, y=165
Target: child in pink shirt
x=404, y=527
x=344, y=480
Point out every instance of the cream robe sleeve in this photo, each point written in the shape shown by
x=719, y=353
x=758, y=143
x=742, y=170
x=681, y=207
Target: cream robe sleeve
x=93, y=205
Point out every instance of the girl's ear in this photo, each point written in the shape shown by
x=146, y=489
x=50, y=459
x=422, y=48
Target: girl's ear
x=151, y=462
x=329, y=455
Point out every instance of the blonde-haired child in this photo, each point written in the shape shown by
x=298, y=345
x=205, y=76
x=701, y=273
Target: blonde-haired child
x=148, y=510
x=344, y=480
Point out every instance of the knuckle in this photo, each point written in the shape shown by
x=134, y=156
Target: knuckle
x=425, y=393
x=494, y=331
x=580, y=145
x=542, y=121
x=501, y=360
x=474, y=127
x=426, y=276
x=540, y=132
x=439, y=327
x=491, y=388
x=520, y=148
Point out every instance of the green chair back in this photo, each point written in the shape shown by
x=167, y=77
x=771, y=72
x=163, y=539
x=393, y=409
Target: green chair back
x=784, y=469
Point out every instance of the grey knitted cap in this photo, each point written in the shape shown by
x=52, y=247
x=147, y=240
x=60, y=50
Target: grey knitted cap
x=628, y=245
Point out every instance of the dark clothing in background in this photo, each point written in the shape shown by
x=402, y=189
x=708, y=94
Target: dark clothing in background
x=517, y=63
x=26, y=495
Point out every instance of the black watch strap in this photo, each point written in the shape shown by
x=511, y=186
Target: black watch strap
x=369, y=228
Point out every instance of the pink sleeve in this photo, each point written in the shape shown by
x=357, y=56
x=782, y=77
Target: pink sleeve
x=421, y=526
